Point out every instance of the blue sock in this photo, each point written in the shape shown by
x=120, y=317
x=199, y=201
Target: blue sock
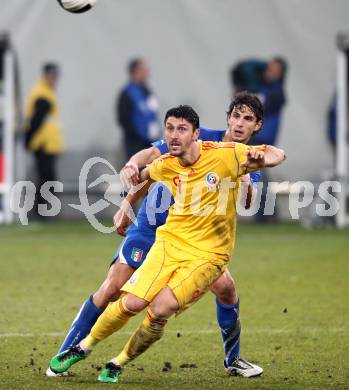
x=229, y=323
x=82, y=324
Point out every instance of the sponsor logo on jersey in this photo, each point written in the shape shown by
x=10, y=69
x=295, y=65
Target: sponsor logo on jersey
x=133, y=279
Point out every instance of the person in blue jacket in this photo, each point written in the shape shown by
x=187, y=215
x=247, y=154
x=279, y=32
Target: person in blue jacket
x=266, y=79
x=137, y=110
x=272, y=95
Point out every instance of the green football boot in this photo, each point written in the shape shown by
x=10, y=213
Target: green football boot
x=110, y=374
x=64, y=360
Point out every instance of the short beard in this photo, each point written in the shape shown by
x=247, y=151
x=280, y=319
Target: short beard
x=177, y=154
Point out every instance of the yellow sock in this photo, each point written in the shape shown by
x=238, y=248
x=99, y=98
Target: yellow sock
x=150, y=330
x=88, y=343
x=114, y=317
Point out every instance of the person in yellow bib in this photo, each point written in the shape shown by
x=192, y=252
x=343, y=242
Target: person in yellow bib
x=43, y=131
x=191, y=249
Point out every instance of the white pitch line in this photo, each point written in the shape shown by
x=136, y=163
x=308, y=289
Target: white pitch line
x=186, y=333
x=19, y=334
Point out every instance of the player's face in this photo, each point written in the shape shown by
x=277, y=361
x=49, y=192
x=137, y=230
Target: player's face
x=242, y=123
x=179, y=135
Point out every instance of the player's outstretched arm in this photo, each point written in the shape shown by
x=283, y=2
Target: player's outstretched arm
x=122, y=218
x=267, y=157
x=255, y=158
x=273, y=156
x=130, y=172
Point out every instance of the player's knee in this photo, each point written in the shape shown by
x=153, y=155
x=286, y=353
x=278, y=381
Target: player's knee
x=134, y=303
x=227, y=297
x=164, y=309
x=225, y=290
x=165, y=304
x=112, y=291
x=108, y=292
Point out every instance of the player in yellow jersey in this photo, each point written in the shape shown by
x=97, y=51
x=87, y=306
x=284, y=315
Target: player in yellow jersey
x=191, y=250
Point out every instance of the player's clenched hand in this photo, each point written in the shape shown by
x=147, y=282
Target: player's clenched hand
x=121, y=221
x=255, y=158
x=129, y=175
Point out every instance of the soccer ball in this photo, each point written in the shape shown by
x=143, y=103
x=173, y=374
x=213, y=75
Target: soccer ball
x=77, y=6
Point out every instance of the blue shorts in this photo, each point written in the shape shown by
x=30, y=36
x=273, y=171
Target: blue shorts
x=134, y=249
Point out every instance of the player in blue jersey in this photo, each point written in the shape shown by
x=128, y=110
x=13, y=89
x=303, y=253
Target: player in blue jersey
x=244, y=117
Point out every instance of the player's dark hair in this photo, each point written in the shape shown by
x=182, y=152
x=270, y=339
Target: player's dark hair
x=184, y=112
x=133, y=65
x=50, y=68
x=251, y=101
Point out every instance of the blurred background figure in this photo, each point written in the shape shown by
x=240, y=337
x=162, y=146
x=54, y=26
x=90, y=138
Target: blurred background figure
x=137, y=109
x=247, y=76
x=43, y=131
x=267, y=80
x=273, y=98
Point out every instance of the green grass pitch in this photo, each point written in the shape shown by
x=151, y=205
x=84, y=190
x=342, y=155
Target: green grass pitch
x=293, y=284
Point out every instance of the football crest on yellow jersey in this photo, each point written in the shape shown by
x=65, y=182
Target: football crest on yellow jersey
x=212, y=181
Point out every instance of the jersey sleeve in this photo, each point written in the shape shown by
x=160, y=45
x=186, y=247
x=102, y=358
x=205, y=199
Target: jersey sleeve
x=240, y=155
x=161, y=145
x=155, y=169
x=207, y=134
x=255, y=178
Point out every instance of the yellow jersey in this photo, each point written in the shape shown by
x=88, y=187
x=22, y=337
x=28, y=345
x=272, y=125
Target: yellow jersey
x=203, y=216
x=49, y=136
